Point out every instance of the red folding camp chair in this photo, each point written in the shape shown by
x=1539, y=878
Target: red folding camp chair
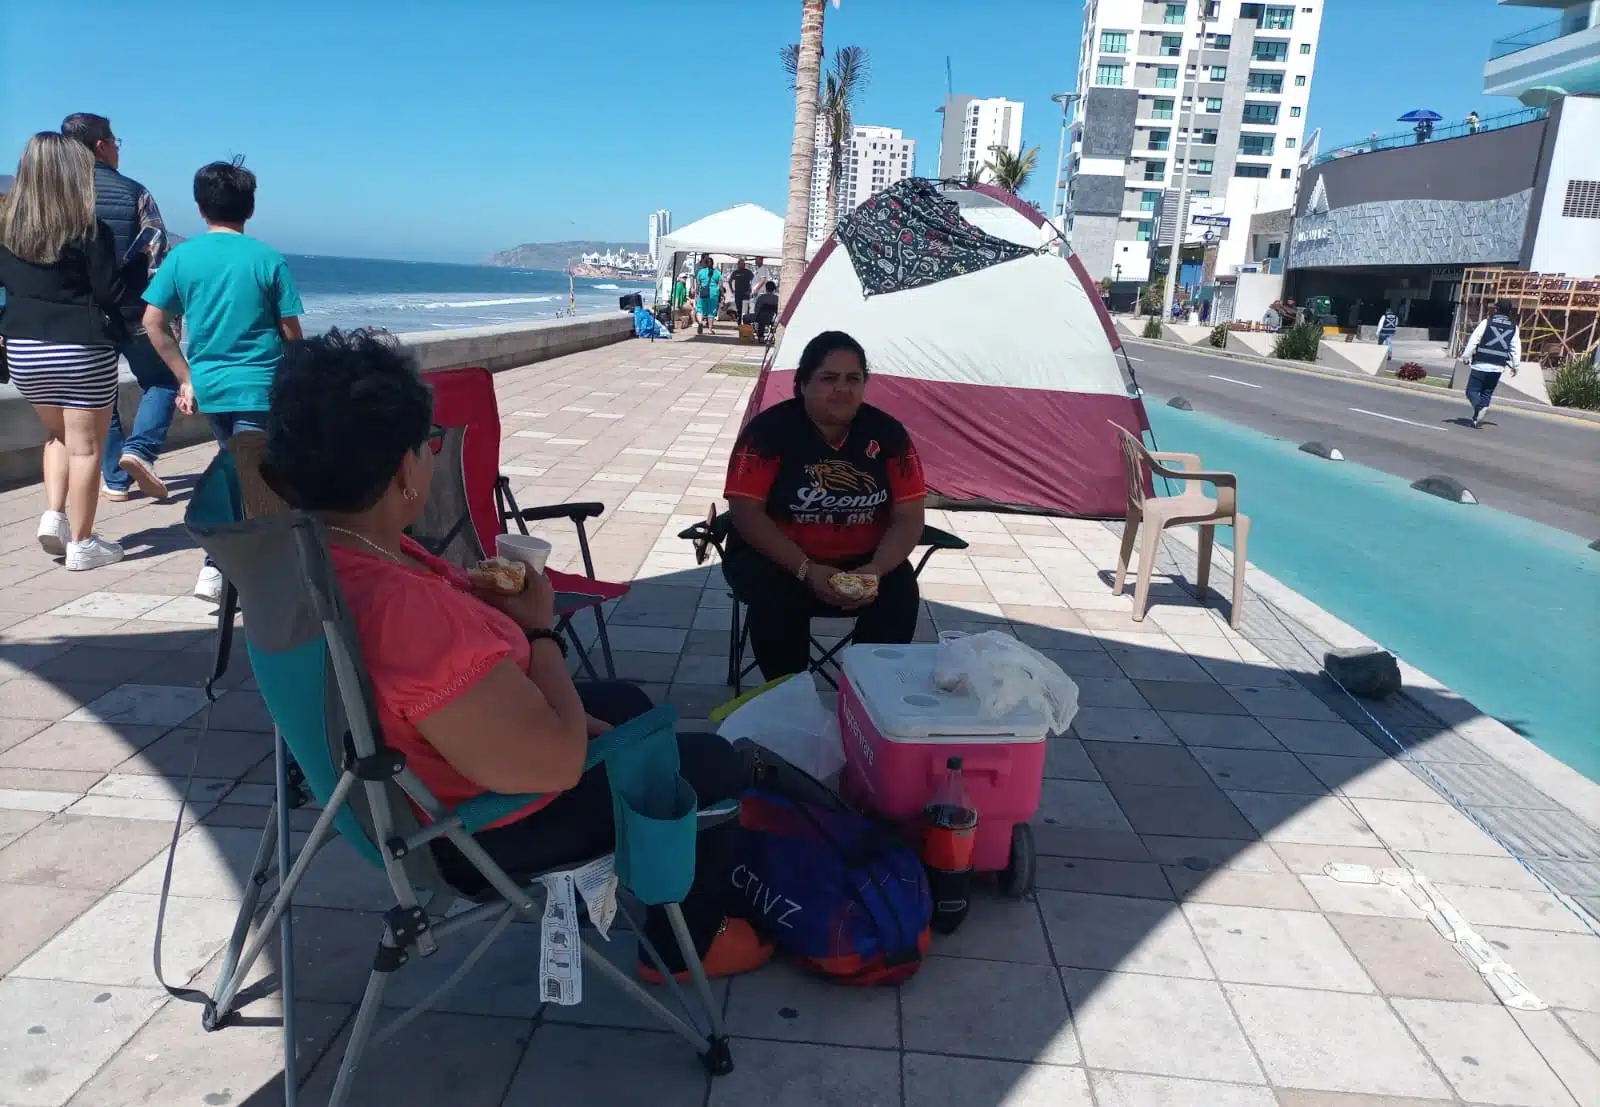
x=470, y=502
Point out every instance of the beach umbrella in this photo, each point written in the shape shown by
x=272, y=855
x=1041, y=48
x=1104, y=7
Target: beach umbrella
x=1421, y=115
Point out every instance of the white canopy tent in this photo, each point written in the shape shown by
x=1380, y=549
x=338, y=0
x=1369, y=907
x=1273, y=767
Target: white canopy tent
x=744, y=230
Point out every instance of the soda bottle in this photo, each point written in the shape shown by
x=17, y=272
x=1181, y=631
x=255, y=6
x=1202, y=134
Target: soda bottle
x=949, y=835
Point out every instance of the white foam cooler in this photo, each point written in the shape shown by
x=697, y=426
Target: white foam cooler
x=899, y=730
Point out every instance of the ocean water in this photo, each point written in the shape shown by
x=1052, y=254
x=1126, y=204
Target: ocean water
x=402, y=296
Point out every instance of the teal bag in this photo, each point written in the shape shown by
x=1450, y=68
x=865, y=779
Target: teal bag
x=653, y=807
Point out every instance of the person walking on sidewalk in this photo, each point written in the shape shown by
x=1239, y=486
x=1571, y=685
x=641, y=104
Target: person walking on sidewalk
x=62, y=325
x=127, y=207
x=240, y=306
x=1495, y=347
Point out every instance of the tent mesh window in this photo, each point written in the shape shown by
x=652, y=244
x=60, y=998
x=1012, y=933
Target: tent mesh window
x=909, y=235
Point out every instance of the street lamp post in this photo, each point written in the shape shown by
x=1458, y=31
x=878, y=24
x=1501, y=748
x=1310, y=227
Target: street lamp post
x=1180, y=222
x=1057, y=208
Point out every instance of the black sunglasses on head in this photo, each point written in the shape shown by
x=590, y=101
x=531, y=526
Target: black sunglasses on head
x=435, y=439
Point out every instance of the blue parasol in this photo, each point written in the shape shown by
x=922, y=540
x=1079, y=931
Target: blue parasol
x=1421, y=115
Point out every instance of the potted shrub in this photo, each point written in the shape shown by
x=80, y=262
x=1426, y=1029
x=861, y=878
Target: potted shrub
x=1299, y=343
x=1577, y=384
x=1411, y=371
x=1152, y=327
x=1219, y=336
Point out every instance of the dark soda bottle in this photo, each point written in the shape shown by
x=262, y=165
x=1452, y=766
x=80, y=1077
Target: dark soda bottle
x=949, y=835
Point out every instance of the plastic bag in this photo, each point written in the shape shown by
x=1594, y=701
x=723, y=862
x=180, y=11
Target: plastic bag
x=1004, y=674
x=790, y=720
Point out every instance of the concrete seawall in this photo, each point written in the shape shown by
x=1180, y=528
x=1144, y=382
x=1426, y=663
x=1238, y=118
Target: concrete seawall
x=495, y=348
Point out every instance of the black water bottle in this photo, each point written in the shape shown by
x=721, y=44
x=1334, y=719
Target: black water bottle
x=950, y=832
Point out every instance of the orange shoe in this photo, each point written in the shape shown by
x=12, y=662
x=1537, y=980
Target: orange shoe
x=736, y=949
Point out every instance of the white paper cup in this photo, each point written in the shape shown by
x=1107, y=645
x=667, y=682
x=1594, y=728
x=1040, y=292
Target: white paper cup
x=532, y=552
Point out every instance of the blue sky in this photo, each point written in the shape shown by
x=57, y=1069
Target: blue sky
x=446, y=131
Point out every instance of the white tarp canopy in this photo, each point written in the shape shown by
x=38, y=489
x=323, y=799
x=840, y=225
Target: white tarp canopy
x=744, y=229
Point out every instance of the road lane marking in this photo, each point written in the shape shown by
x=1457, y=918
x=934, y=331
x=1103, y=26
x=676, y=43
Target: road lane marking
x=1393, y=418
x=1230, y=380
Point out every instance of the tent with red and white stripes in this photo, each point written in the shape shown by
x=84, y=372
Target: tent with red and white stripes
x=995, y=352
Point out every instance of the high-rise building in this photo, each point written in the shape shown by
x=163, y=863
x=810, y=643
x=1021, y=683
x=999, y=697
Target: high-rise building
x=876, y=158
x=660, y=226
x=1148, y=81
x=1561, y=52
x=972, y=130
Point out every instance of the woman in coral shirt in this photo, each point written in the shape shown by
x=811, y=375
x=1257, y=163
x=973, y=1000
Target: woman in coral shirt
x=474, y=690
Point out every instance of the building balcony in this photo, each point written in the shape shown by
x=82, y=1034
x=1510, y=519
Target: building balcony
x=1558, y=54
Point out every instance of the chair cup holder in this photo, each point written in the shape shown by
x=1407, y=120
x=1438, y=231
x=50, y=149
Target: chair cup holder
x=655, y=835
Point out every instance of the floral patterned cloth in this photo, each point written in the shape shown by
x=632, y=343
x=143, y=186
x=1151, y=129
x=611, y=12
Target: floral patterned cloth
x=909, y=235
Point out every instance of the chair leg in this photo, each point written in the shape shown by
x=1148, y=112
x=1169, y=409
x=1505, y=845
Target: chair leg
x=1241, y=538
x=1147, y=565
x=737, y=636
x=361, y=1030
x=1202, y=576
x=1130, y=531
x=605, y=643
x=291, y=1070
x=228, y=980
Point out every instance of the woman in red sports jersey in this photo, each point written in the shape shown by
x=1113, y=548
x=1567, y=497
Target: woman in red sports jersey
x=818, y=485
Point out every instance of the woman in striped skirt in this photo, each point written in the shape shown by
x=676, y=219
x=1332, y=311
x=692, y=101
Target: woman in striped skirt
x=62, y=330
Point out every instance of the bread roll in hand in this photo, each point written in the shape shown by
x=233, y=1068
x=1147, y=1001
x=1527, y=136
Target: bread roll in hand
x=499, y=575
x=856, y=587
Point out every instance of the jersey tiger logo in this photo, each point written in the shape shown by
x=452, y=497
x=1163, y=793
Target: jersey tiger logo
x=840, y=476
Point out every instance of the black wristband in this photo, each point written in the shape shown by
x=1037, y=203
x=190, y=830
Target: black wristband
x=548, y=635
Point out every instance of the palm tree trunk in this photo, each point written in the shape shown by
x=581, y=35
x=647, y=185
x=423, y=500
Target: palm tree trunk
x=830, y=217
x=802, y=153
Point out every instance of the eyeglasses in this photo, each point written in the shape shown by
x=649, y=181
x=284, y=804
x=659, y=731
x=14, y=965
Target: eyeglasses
x=435, y=439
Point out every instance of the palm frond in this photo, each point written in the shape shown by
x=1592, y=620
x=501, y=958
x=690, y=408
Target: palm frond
x=790, y=56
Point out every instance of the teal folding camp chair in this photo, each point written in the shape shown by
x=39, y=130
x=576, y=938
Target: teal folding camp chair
x=306, y=659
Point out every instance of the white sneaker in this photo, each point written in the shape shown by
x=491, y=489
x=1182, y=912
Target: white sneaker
x=208, y=586
x=144, y=475
x=54, y=533
x=92, y=553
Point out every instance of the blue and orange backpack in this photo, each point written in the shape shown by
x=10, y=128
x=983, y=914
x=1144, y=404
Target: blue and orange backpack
x=838, y=891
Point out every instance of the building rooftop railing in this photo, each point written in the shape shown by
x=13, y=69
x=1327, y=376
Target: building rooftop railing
x=1441, y=131
x=1522, y=40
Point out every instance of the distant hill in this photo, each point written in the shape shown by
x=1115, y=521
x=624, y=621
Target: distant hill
x=555, y=255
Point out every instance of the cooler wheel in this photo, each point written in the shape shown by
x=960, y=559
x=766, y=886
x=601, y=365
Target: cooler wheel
x=1016, y=879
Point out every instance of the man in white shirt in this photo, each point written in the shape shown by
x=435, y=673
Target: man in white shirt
x=1494, y=348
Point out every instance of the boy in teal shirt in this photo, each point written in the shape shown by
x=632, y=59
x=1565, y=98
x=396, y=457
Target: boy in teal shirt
x=239, y=305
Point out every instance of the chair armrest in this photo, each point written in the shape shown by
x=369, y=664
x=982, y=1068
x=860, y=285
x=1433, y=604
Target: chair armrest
x=1188, y=461
x=940, y=539
x=1226, y=480
x=575, y=512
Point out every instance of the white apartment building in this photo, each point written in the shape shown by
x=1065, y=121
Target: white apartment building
x=972, y=130
x=1149, y=78
x=1561, y=51
x=660, y=225
x=876, y=158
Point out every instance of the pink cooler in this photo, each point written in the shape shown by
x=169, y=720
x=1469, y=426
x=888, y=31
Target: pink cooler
x=899, y=731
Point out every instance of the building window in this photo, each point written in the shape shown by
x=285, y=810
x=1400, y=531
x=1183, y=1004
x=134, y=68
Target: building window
x=1161, y=109
x=1284, y=174
x=1582, y=200
x=1145, y=227
x=1288, y=144
x=1300, y=81
x=1155, y=169
x=1113, y=42
x=1219, y=73
x=1260, y=114
x=1171, y=46
x=1256, y=146
x=1160, y=140
x=1197, y=193
x=1213, y=105
x=1270, y=50
x=1278, y=19
x=1294, y=113
x=1305, y=48
x=1176, y=13
x=1252, y=171
x=1206, y=138
x=1221, y=42
x=1167, y=77
x=1147, y=199
x=1108, y=74
x=1200, y=165
x=1267, y=82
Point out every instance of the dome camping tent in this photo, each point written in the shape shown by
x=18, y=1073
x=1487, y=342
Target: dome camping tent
x=996, y=354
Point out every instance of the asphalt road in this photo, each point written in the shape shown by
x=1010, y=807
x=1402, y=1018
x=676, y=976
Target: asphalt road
x=1542, y=467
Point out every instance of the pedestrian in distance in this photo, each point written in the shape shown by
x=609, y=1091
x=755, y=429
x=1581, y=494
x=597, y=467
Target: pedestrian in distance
x=1474, y=125
x=128, y=208
x=240, y=305
x=707, y=301
x=742, y=280
x=1387, y=326
x=63, y=326
x=1494, y=348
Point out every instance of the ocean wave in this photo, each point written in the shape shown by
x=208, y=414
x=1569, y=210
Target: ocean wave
x=502, y=302
x=608, y=287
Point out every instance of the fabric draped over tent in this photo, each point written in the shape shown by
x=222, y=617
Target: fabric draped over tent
x=908, y=236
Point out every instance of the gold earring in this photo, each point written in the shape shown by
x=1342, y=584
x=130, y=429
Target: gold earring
x=409, y=493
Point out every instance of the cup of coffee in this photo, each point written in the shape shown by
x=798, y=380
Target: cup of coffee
x=532, y=552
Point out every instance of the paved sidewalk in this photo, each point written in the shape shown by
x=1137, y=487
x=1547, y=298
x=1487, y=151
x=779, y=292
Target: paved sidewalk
x=1187, y=945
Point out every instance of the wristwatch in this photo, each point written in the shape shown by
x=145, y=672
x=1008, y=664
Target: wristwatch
x=549, y=635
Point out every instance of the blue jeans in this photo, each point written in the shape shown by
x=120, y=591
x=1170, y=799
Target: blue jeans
x=150, y=423
x=1480, y=388
x=226, y=424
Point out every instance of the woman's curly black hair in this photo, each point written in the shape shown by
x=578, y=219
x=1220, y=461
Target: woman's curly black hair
x=347, y=406
x=817, y=350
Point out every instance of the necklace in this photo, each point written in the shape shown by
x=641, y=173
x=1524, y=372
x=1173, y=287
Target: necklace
x=368, y=541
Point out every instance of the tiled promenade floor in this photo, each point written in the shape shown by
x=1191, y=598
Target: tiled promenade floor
x=1186, y=946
